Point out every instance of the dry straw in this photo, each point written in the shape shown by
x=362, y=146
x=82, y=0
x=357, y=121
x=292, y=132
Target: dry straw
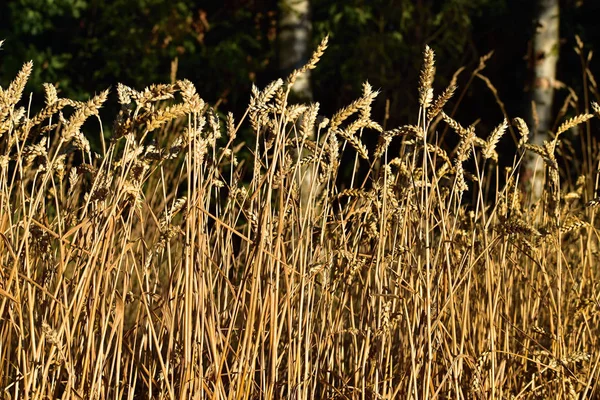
x=193, y=259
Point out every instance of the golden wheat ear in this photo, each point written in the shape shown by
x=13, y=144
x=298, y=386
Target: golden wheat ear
x=426, y=78
x=312, y=62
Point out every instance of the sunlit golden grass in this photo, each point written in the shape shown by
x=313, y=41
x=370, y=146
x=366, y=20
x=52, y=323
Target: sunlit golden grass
x=167, y=267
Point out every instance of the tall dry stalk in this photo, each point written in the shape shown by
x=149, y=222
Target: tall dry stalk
x=169, y=267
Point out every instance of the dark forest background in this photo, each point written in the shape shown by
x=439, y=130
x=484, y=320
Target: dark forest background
x=84, y=46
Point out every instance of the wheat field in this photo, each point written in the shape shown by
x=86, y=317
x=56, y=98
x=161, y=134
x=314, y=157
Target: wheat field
x=168, y=265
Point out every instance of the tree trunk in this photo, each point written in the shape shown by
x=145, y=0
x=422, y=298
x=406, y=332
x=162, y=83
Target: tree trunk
x=294, y=43
x=545, y=58
x=294, y=52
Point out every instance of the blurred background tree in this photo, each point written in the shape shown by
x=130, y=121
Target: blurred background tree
x=294, y=44
x=383, y=41
x=84, y=46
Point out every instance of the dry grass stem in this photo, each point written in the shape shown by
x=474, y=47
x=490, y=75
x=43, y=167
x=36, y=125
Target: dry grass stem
x=203, y=256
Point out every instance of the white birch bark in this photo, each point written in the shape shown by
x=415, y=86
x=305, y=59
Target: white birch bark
x=295, y=30
x=294, y=42
x=545, y=58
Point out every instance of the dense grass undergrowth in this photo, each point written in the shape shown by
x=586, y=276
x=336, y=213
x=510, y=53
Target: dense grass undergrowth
x=168, y=267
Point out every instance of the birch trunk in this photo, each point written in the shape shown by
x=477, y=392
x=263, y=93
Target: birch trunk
x=294, y=52
x=294, y=43
x=545, y=58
